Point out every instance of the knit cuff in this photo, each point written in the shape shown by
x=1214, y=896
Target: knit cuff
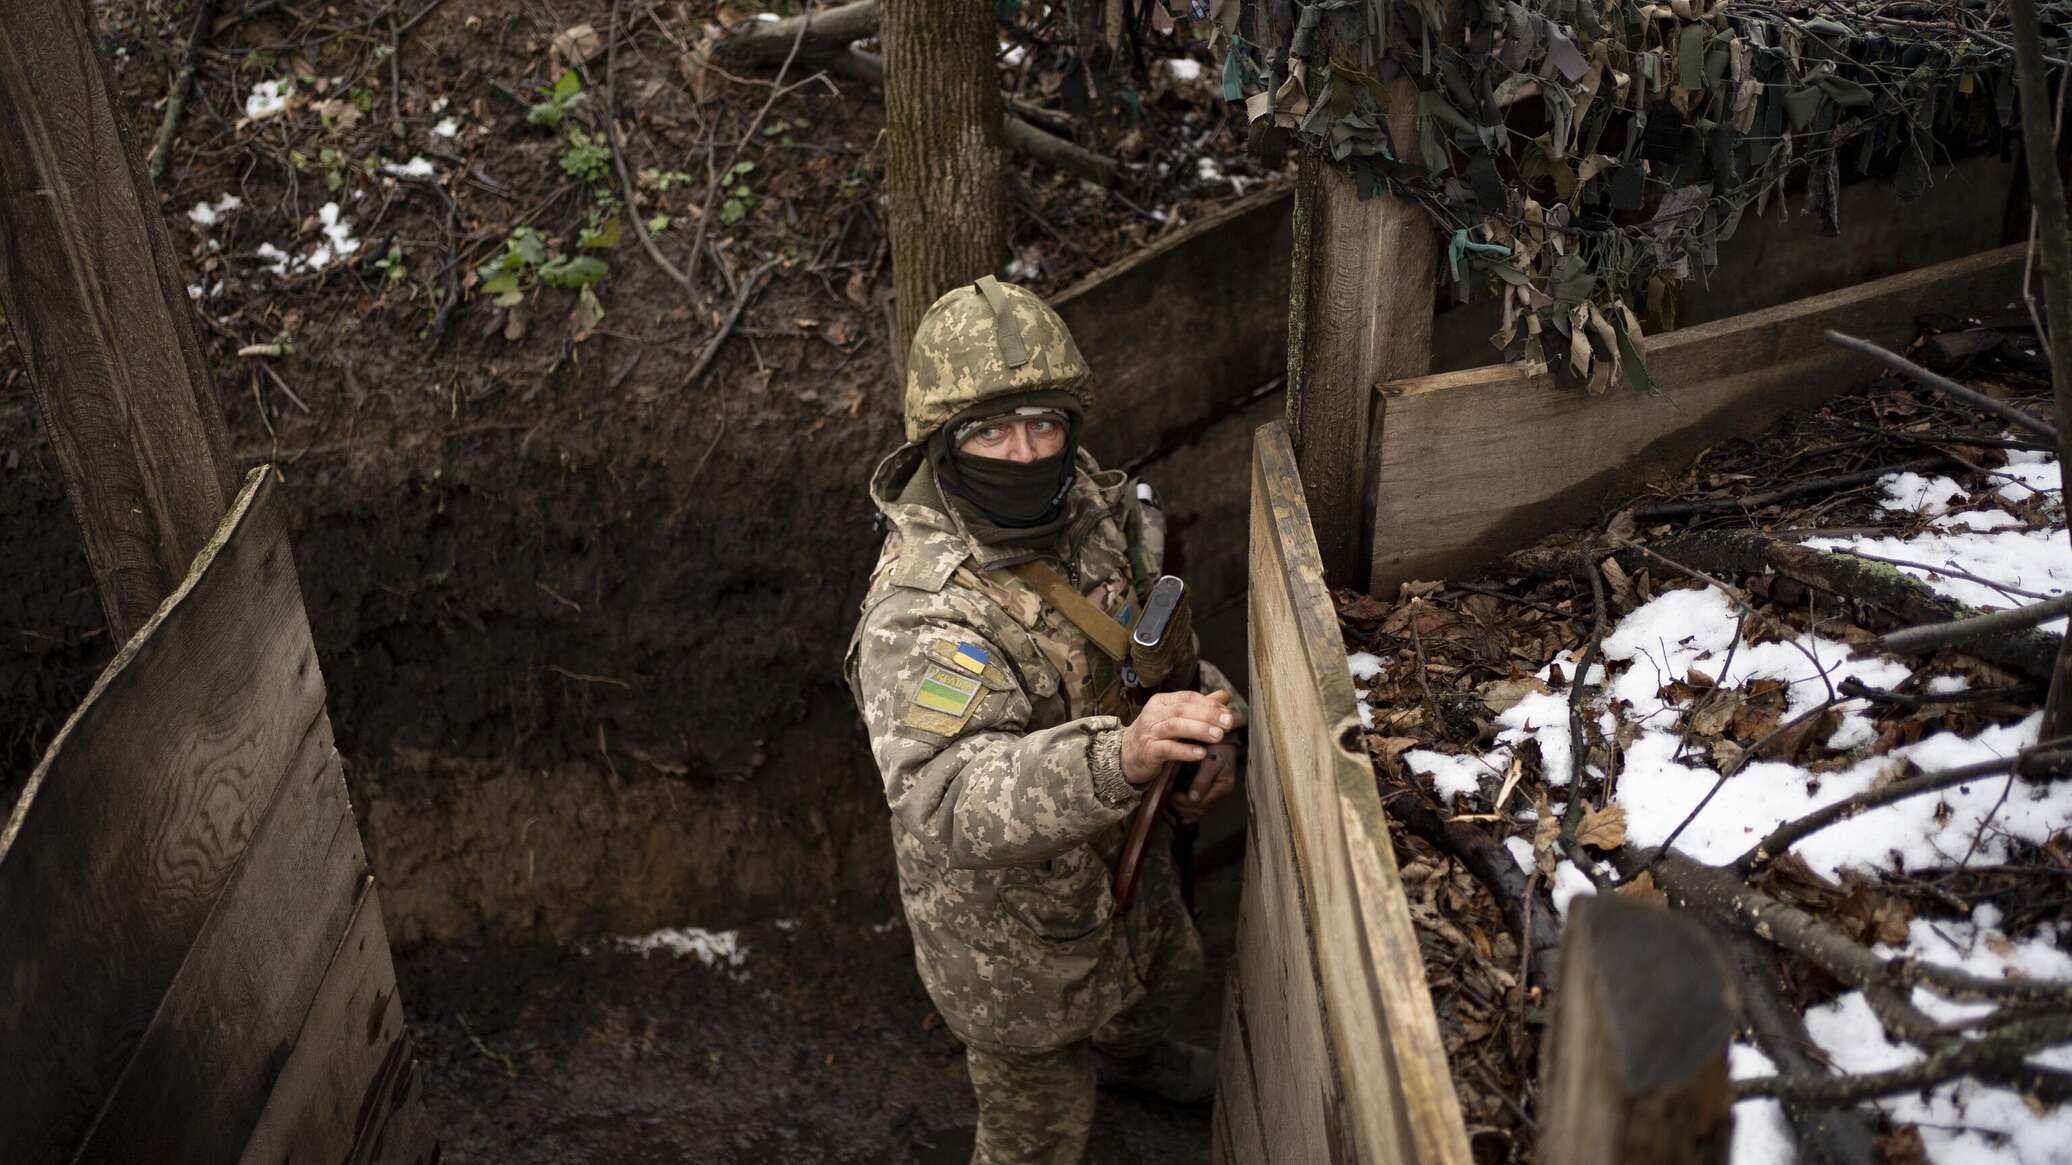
x=1104, y=761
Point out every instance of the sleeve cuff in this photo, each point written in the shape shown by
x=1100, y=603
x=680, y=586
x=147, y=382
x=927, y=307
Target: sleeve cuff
x=1104, y=761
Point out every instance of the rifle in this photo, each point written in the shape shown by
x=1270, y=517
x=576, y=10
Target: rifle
x=1161, y=656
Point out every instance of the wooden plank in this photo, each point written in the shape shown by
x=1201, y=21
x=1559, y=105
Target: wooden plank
x=1472, y=465
x=90, y=287
x=1360, y=313
x=130, y=828
x=1239, y=1137
x=249, y=979
x=1182, y=331
x=1636, y=1063
x=1399, y=1090
x=1299, y=1096
x=349, y=1088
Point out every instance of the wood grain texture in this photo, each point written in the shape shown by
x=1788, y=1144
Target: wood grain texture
x=1180, y=332
x=90, y=289
x=1360, y=312
x=248, y=980
x=1239, y=1136
x=133, y=824
x=1472, y=465
x=1635, y=1064
x=1337, y=1016
x=349, y=1088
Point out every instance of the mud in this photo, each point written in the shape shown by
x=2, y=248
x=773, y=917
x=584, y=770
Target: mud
x=595, y=1052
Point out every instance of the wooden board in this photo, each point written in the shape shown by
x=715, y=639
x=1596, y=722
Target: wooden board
x=1239, y=1136
x=1333, y=1012
x=90, y=286
x=1360, y=313
x=1472, y=465
x=248, y=979
x=349, y=1086
x=134, y=822
x=1180, y=332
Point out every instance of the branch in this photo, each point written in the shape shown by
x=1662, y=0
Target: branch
x=2042, y=758
x=1826, y=1137
x=1945, y=385
x=1493, y=866
x=611, y=135
x=176, y=99
x=726, y=328
x=1799, y=489
x=1935, y=636
x=1721, y=895
x=2000, y=1052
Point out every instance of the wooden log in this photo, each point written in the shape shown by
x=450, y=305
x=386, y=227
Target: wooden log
x=828, y=32
x=135, y=821
x=91, y=289
x=1636, y=1061
x=1360, y=313
x=1349, y=1063
x=1473, y=465
x=349, y=1088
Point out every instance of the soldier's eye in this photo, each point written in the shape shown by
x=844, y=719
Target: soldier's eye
x=992, y=433
x=1044, y=428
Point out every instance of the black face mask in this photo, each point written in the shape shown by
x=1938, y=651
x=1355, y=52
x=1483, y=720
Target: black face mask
x=1016, y=497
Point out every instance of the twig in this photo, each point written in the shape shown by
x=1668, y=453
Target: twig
x=1947, y=571
x=1826, y=1137
x=726, y=328
x=1945, y=385
x=183, y=84
x=1537, y=931
x=719, y=178
x=1578, y=752
x=2002, y=1050
x=1857, y=689
x=2040, y=758
x=1800, y=489
x=1934, y=636
x=611, y=136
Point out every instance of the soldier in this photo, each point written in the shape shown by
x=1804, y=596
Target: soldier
x=1010, y=757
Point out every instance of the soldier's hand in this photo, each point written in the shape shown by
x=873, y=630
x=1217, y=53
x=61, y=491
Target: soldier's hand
x=1215, y=780
x=1173, y=728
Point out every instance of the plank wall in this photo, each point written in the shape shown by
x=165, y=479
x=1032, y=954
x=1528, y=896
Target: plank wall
x=1330, y=1048
x=182, y=889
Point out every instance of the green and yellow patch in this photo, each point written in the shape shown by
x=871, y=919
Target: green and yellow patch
x=943, y=702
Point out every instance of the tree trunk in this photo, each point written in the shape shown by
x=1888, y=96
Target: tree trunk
x=943, y=173
x=89, y=285
x=2054, y=272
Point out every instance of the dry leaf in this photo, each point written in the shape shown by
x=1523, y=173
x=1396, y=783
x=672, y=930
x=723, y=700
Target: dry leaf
x=1642, y=889
x=1545, y=832
x=857, y=291
x=1615, y=577
x=1603, y=828
x=1501, y=695
x=578, y=42
x=1414, y=589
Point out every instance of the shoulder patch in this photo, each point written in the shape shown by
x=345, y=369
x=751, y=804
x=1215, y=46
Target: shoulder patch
x=970, y=659
x=943, y=701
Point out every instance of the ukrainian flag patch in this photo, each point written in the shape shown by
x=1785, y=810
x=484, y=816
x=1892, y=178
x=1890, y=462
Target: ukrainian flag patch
x=944, y=701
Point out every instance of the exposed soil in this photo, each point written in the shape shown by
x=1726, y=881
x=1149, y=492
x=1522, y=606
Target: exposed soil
x=580, y=619
x=597, y=1052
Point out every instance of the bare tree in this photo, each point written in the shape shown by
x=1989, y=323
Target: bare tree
x=943, y=173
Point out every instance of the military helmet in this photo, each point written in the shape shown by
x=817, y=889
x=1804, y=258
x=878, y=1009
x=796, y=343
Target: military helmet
x=984, y=340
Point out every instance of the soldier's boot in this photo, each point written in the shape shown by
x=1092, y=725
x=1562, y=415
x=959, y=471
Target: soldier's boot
x=1173, y=1070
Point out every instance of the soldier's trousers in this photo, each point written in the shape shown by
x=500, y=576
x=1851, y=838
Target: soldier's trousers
x=1037, y=1108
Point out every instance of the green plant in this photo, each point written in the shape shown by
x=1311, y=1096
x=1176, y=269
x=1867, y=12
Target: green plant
x=393, y=264
x=526, y=262
x=740, y=196
x=585, y=156
x=556, y=99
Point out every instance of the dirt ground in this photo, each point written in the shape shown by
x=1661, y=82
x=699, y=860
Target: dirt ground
x=596, y=1052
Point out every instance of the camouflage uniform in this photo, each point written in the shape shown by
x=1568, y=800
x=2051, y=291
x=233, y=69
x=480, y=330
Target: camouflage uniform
x=997, y=728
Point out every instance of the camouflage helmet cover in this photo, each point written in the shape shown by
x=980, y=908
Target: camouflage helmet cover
x=960, y=357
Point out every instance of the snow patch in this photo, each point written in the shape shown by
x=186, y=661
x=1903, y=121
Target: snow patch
x=268, y=98
x=449, y=128
x=714, y=948
x=208, y=214
x=1183, y=69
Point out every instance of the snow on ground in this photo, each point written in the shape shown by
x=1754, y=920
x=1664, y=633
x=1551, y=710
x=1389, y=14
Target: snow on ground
x=337, y=244
x=417, y=167
x=714, y=948
x=208, y=214
x=1662, y=657
x=267, y=98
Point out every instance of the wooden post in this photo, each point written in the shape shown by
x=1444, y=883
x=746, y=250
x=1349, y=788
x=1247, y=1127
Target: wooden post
x=89, y=285
x=1636, y=1063
x=1360, y=312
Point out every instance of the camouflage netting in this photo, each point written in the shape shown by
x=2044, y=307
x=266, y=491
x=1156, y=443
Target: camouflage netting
x=1582, y=158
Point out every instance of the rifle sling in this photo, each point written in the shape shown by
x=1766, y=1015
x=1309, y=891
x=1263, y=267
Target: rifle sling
x=1100, y=627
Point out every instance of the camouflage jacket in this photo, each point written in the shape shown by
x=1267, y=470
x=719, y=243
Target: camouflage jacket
x=994, y=722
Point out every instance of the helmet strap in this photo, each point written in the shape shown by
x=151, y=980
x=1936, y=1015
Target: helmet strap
x=1013, y=352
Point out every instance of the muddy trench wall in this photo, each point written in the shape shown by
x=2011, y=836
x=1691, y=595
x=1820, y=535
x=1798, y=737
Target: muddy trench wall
x=584, y=653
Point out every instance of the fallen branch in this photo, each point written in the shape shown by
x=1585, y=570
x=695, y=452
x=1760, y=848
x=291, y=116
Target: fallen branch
x=1857, y=689
x=1826, y=1136
x=1946, y=386
x=1530, y=921
x=1936, y=636
x=2052, y=757
x=611, y=134
x=827, y=39
x=719, y=178
x=726, y=328
x=1768, y=497
x=2003, y=1051
x=183, y=84
x=1720, y=894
